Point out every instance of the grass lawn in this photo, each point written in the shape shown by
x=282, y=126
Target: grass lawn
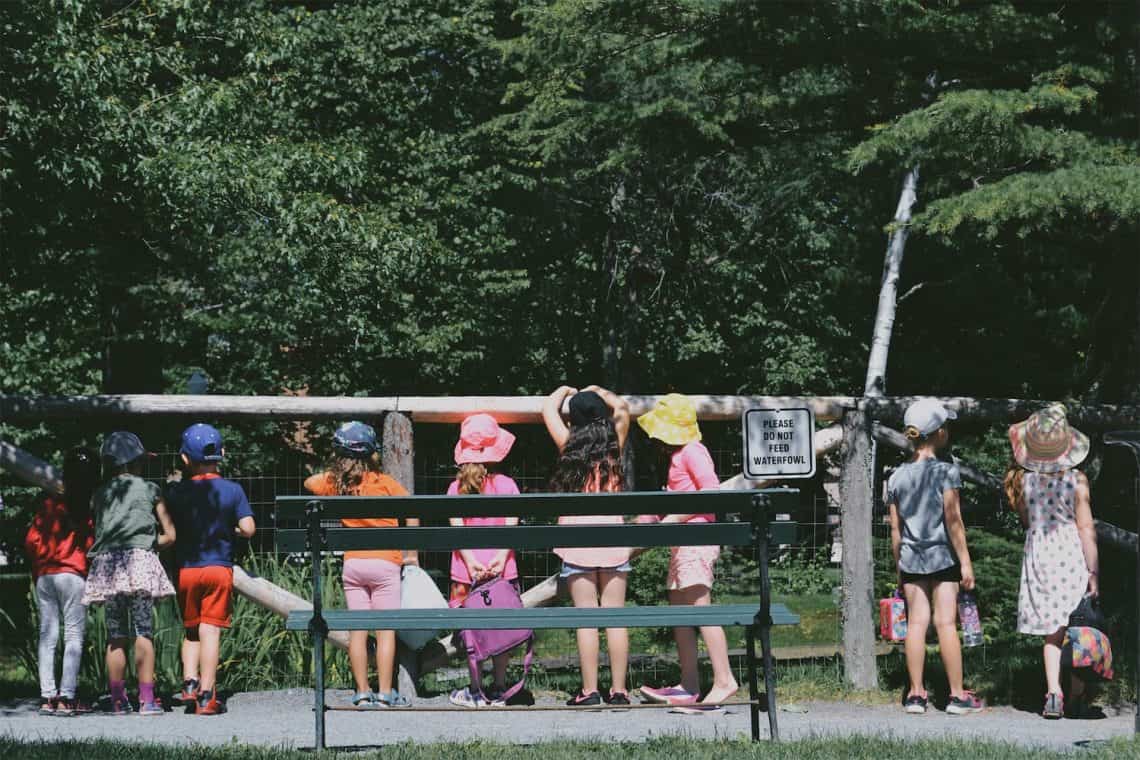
x=563, y=750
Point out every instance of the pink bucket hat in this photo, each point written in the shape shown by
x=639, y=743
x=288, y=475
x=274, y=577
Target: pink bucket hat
x=482, y=440
x=1046, y=442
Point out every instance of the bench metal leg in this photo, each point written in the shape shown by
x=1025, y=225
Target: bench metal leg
x=319, y=696
x=769, y=681
x=753, y=686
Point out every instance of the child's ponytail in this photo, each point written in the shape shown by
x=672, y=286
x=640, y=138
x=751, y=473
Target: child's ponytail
x=471, y=477
x=1013, y=485
x=913, y=435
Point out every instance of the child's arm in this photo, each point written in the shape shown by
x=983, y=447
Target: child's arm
x=1087, y=529
x=411, y=556
x=246, y=527
x=956, y=529
x=619, y=407
x=552, y=415
x=896, y=541
x=166, y=536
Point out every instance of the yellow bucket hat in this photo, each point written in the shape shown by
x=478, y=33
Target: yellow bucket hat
x=672, y=420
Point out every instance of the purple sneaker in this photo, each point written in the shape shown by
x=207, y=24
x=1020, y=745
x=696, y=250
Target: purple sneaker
x=668, y=695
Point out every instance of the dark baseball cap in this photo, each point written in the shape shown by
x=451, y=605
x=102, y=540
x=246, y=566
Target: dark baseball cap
x=122, y=447
x=202, y=443
x=587, y=406
x=355, y=439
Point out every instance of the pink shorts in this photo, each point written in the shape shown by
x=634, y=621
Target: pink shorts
x=691, y=566
x=371, y=584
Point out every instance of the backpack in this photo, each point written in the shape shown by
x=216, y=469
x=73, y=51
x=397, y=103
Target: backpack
x=499, y=594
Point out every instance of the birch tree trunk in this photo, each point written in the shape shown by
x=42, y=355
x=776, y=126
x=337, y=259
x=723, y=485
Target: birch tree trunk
x=876, y=382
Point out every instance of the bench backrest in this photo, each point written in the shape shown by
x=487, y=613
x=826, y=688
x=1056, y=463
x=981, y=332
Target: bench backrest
x=754, y=507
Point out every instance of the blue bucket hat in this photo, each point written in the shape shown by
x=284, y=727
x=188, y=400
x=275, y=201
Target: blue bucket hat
x=356, y=440
x=202, y=443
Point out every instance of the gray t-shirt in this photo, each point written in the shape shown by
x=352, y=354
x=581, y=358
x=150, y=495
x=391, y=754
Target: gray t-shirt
x=917, y=488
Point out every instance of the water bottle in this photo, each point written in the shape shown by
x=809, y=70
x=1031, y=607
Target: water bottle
x=971, y=623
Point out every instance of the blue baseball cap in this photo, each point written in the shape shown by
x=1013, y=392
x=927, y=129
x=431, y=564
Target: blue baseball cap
x=202, y=443
x=355, y=439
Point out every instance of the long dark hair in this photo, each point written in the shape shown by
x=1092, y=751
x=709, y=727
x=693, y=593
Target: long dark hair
x=347, y=473
x=80, y=476
x=591, y=456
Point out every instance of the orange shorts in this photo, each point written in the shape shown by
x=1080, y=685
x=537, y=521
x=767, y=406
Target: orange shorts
x=205, y=595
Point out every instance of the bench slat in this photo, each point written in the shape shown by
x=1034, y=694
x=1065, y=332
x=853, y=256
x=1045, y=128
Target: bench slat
x=522, y=537
x=538, y=504
x=540, y=618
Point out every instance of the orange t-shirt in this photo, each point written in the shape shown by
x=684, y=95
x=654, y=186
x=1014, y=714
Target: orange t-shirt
x=373, y=484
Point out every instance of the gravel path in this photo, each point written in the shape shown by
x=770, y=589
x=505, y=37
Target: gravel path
x=285, y=718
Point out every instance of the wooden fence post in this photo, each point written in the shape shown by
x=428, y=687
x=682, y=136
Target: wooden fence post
x=398, y=460
x=857, y=509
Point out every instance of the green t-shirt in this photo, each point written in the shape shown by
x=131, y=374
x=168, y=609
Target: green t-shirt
x=124, y=514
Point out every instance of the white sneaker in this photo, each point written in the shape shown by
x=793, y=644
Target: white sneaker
x=464, y=698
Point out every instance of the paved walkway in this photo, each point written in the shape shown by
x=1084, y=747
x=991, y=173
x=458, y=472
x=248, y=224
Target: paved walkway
x=285, y=719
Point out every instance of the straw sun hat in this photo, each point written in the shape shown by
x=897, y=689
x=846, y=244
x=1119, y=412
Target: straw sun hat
x=1046, y=442
x=673, y=420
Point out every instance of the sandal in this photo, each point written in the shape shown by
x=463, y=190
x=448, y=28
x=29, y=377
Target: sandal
x=393, y=699
x=365, y=700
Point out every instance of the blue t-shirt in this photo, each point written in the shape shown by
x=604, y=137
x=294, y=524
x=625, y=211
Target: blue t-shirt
x=205, y=511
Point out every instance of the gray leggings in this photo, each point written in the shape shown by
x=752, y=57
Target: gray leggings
x=59, y=596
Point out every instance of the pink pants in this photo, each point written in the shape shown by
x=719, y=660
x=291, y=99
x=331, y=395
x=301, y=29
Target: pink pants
x=371, y=584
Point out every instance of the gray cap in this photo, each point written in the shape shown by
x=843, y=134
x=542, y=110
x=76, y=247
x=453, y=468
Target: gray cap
x=122, y=447
x=927, y=415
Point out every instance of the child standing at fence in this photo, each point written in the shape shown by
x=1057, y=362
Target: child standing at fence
x=928, y=538
x=57, y=544
x=208, y=511
x=371, y=578
x=672, y=424
x=1060, y=562
x=481, y=449
x=131, y=526
x=589, y=461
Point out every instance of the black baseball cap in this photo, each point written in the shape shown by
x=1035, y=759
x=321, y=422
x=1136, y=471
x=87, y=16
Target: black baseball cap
x=587, y=406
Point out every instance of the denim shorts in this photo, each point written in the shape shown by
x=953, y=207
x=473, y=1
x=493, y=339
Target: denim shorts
x=568, y=569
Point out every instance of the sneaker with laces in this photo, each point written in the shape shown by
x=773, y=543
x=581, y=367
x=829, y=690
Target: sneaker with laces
x=189, y=691
x=668, y=695
x=593, y=699
x=965, y=704
x=120, y=707
x=1054, y=707
x=209, y=704
x=466, y=698
x=915, y=704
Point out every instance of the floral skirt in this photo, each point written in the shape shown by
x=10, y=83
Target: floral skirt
x=129, y=572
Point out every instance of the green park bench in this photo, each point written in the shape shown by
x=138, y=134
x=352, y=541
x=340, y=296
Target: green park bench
x=753, y=529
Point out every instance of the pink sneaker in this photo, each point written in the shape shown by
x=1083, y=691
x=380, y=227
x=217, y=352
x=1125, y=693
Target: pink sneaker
x=668, y=695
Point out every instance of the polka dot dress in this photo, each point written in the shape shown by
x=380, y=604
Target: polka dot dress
x=1053, y=571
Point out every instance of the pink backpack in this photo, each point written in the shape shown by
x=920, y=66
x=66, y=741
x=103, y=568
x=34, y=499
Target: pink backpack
x=500, y=594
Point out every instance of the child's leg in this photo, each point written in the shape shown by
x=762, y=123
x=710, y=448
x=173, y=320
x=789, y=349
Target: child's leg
x=386, y=596
x=1052, y=656
x=917, y=621
x=191, y=655
x=117, y=614
x=142, y=614
x=358, y=659
x=583, y=589
x=945, y=595
x=686, y=638
x=500, y=663
x=48, y=606
x=613, y=584
x=210, y=640
x=357, y=595
x=386, y=659
x=724, y=683
x=74, y=625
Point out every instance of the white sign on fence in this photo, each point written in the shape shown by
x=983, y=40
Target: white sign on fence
x=779, y=443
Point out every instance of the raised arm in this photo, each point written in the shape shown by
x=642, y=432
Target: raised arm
x=619, y=408
x=552, y=415
x=1087, y=529
x=166, y=535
